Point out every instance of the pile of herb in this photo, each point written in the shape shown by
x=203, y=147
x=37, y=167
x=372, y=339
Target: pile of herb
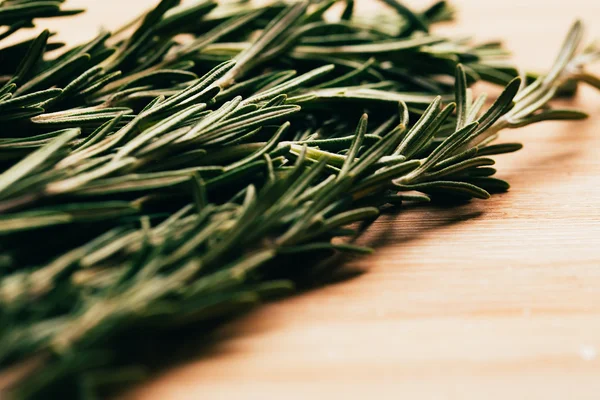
x=171, y=171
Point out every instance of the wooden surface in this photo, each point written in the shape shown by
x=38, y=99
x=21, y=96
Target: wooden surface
x=497, y=299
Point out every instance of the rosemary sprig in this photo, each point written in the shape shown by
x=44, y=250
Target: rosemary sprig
x=166, y=182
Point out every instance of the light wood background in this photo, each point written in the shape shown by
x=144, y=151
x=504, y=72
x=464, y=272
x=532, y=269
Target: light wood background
x=497, y=299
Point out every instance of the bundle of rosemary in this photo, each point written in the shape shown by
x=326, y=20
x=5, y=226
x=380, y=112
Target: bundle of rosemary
x=150, y=180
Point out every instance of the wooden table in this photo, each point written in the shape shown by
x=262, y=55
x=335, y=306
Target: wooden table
x=497, y=299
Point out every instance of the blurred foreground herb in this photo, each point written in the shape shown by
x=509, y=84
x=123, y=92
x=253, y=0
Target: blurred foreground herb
x=150, y=181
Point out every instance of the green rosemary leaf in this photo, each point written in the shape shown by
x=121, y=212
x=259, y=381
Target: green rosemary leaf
x=268, y=147
x=35, y=160
x=465, y=155
x=160, y=77
x=32, y=57
x=491, y=74
x=308, y=248
x=222, y=131
x=546, y=115
x=276, y=101
x=426, y=135
x=475, y=108
x=415, y=21
x=462, y=104
x=446, y=148
x=348, y=10
x=40, y=218
x=84, y=118
x=74, y=86
x=504, y=101
x=72, y=184
x=439, y=11
x=454, y=188
x=380, y=149
x=536, y=103
x=153, y=20
x=21, y=113
x=383, y=177
x=361, y=130
x=277, y=27
x=158, y=144
x=363, y=95
x=200, y=195
x=158, y=130
x=58, y=72
x=178, y=17
x=426, y=119
x=481, y=172
x=590, y=79
x=491, y=185
x=225, y=110
x=371, y=48
x=499, y=149
x=213, y=35
x=243, y=110
x=566, y=54
x=236, y=175
x=289, y=85
x=456, y=168
x=11, y=13
x=31, y=99
x=99, y=133
x=204, y=89
x=132, y=183
x=413, y=198
x=337, y=144
x=348, y=76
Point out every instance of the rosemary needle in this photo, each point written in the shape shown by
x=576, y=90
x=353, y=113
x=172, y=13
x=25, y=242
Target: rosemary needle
x=163, y=182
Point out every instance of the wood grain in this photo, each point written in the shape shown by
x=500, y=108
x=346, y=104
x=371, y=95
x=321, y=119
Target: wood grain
x=497, y=299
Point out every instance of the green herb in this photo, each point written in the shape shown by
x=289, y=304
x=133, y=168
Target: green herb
x=164, y=181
